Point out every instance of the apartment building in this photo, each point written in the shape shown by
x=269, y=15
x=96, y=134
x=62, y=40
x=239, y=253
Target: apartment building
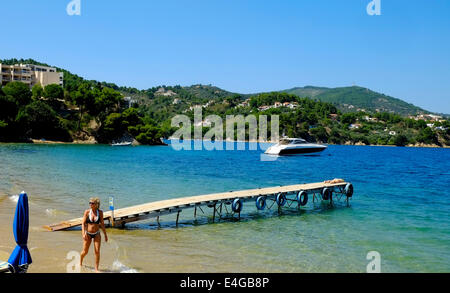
x=30, y=74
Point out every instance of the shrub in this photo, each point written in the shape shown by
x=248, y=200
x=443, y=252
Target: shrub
x=401, y=140
x=19, y=91
x=38, y=120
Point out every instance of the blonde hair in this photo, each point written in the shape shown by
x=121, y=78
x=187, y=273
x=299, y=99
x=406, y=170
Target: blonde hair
x=96, y=200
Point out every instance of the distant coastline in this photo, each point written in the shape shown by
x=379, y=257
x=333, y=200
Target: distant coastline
x=90, y=142
x=88, y=112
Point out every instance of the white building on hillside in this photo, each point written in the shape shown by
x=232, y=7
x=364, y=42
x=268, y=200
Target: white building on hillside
x=30, y=74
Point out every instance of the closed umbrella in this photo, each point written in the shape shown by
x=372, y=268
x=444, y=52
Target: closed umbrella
x=20, y=257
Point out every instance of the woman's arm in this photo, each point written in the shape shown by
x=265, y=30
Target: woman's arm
x=83, y=226
x=102, y=226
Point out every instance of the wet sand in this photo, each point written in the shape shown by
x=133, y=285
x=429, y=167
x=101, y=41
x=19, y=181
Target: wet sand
x=130, y=250
x=49, y=250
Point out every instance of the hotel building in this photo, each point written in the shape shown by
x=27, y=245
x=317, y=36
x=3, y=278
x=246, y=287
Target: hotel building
x=30, y=74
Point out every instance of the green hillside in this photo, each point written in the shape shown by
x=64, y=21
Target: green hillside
x=82, y=110
x=89, y=110
x=346, y=99
x=307, y=91
x=350, y=99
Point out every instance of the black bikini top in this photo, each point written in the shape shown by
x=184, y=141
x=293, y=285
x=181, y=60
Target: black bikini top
x=89, y=221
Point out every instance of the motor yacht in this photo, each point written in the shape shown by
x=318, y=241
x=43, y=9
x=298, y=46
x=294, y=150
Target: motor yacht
x=122, y=144
x=291, y=146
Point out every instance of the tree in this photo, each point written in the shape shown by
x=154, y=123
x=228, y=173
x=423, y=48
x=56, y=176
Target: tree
x=37, y=91
x=83, y=98
x=401, y=140
x=130, y=117
x=320, y=133
x=271, y=98
x=149, y=135
x=39, y=120
x=427, y=136
x=19, y=91
x=233, y=100
x=8, y=108
x=348, y=118
x=335, y=136
x=54, y=94
x=3, y=113
x=111, y=128
x=106, y=100
x=421, y=124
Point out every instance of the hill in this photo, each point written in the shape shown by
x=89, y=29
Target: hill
x=346, y=99
x=84, y=110
x=350, y=99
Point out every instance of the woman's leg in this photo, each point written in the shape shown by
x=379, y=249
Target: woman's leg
x=86, y=245
x=97, y=243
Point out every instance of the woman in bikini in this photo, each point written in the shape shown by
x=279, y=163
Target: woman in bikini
x=92, y=222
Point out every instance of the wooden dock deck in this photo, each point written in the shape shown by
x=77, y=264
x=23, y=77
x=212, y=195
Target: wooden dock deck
x=176, y=205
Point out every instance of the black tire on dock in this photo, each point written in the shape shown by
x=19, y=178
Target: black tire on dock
x=281, y=199
x=261, y=203
x=302, y=198
x=349, y=190
x=327, y=194
x=236, y=206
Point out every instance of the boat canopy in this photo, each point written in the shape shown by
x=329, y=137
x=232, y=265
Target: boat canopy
x=286, y=141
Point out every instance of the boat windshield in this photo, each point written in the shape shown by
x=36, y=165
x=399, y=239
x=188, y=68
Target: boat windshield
x=292, y=141
x=299, y=141
x=285, y=141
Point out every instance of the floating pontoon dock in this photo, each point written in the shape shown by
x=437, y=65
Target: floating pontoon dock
x=279, y=195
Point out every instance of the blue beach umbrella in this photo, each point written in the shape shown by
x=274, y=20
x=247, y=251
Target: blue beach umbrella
x=20, y=257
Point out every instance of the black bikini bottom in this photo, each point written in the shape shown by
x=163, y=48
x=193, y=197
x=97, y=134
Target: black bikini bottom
x=93, y=234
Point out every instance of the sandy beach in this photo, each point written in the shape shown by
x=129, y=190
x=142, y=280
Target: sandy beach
x=49, y=250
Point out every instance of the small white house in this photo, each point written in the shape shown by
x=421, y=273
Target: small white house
x=129, y=101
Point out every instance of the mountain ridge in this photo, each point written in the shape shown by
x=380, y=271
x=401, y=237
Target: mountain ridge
x=356, y=97
x=346, y=99
x=93, y=111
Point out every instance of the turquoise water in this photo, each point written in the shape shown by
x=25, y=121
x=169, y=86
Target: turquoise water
x=400, y=207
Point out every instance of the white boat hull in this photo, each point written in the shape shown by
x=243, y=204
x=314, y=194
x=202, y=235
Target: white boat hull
x=122, y=144
x=295, y=149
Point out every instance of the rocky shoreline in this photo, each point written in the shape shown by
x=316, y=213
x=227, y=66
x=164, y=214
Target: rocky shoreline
x=92, y=141
x=417, y=145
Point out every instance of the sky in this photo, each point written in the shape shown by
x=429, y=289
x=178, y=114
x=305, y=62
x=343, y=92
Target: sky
x=244, y=46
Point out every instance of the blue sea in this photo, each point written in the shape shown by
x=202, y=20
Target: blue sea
x=400, y=208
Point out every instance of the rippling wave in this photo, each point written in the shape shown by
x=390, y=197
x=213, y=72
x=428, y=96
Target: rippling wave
x=399, y=208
